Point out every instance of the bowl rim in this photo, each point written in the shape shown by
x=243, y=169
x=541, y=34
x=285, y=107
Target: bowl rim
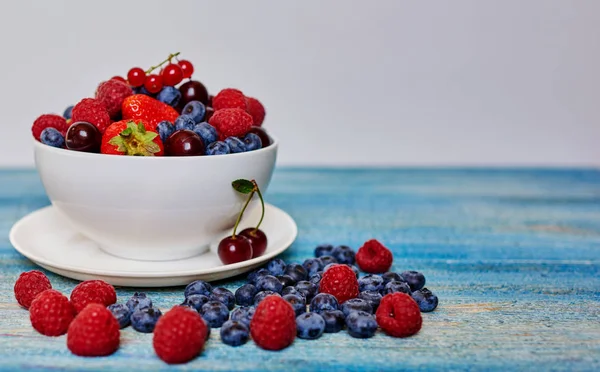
x=64, y=151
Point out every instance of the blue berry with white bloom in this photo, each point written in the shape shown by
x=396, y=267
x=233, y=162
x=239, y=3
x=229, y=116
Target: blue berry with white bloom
x=262, y=294
x=195, y=301
x=356, y=304
x=308, y=289
x=243, y=314
x=52, y=137
x=297, y=302
x=198, y=287
x=144, y=320
x=323, y=302
x=234, y=333
x=121, y=313
x=224, y=296
x=395, y=286
x=334, y=320
x=276, y=266
x=257, y=274
x=328, y=266
x=312, y=266
x=361, y=324
x=169, y=95
x=207, y=132
x=391, y=276
x=296, y=271
x=195, y=109
x=290, y=290
x=269, y=283
x=184, y=122
x=323, y=250
x=310, y=326
x=370, y=282
x=235, y=144
x=344, y=254
x=138, y=301
x=218, y=148
x=426, y=300
x=372, y=297
x=415, y=279
x=68, y=112
x=286, y=280
x=244, y=295
x=252, y=142
x=316, y=278
x=327, y=260
x=215, y=313
x=356, y=271
x=165, y=129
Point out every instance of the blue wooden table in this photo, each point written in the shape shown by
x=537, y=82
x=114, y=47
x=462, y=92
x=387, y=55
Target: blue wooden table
x=514, y=256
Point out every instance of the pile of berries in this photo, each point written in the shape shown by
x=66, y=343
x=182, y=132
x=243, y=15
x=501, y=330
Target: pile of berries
x=156, y=114
x=279, y=302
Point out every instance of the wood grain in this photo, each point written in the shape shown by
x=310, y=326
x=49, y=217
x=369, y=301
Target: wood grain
x=514, y=256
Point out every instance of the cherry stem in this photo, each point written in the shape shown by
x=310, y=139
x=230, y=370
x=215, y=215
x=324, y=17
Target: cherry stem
x=242, y=213
x=169, y=58
x=262, y=204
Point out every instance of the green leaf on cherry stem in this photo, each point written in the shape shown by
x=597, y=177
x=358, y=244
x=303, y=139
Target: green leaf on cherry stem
x=243, y=186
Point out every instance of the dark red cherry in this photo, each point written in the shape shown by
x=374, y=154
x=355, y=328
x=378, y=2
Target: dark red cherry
x=234, y=249
x=193, y=91
x=184, y=143
x=83, y=136
x=258, y=240
x=264, y=137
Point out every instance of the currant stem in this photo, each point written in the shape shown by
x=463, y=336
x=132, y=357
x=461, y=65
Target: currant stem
x=242, y=213
x=262, y=204
x=169, y=58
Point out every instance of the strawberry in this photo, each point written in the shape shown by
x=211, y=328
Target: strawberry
x=125, y=137
x=147, y=109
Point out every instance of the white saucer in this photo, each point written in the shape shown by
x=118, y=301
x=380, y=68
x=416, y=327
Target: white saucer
x=48, y=240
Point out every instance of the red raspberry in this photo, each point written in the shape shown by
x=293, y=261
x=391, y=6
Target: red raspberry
x=256, y=110
x=273, y=325
x=179, y=335
x=399, y=315
x=94, y=332
x=93, y=291
x=373, y=257
x=29, y=285
x=112, y=93
x=49, y=121
x=92, y=111
x=339, y=281
x=231, y=122
x=229, y=98
x=51, y=313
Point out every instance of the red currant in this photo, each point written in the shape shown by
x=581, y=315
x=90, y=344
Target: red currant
x=153, y=83
x=136, y=77
x=187, y=68
x=172, y=75
x=119, y=78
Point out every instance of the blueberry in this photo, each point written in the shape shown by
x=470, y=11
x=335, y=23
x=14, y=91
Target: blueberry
x=235, y=144
x=52, y=137
x=415, y=279
x=370, y=282
x=391, y=276
x=142, y=90
x=297, y=303
x=323, y=250
x=291, y=290
x=261, y=296
x=184, y=122
x=252, y=142
x=426, y=300
x=356, y=304
x=122, y=313
x=269, y=283
x=286, y=280
x=255, y=275
x=328, y=266
x=315, y=279
x=243, y=314
x=296, y=271
x=224, y=296
x=207, y=132
x=327, y=260
x=334, y=320
x=195, y=301
x=308, y=289
x=198, y=287
x=323, y=302
x=68, y=112
x=165, y=129
x=144, y=320
x=194, y=109
x=276, y=266
x=344, y=254
x=356, y=271
x=310, y=326
x=138, y=301
x=395, y=286
x=169, y=95
x=234, y=333
x=215, y=313
x=312, y=266
x=218, y=148
x=372, y=297
x=244, y=295
x=361, y=324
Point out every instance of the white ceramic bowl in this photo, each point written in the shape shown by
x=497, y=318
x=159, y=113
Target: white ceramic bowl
x=150, y=208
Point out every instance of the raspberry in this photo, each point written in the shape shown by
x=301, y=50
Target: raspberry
x=399, y=315
x=51, y=313
x=229, y=98
x=232, y=122
x=179, y=335
x=373, y=257
x=94, y=332
x=92, y=111
x=273, y=326
x=29, y=285
x=49, y=121
x=339, y=281
x=256, y=110
x=92, y=291
x=112, y=93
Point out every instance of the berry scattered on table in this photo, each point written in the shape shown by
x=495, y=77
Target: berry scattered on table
x=361, y=324
x=323, y=250
x=339, y=281
x=396, y=286
x=122, y=313
x=327, y=260
x=415, y=279
x=243, y=314
x=92, y=291
x=269, y=283
x=224, y=296
x=260, y=296
x=94, y=332
x=286, y=280
x=310, y=326
x=291, y=290
x=374, y=258
x=323, y=302
x=144, y=320
x=296, y=272
x=391, y=276
x=426, y=300
x=139, y=300
x=273, y=326
x=51, y=313
x=179, y=335
x=334, y=320
x=30, y=284
x=297, y=301
x=195, y=301
x=372, y=297
x=398, y=315
x=370, y=282
x=256, y=274
x=215, y=313
x=316, y=278
x=198, y=287
x=244, y=295
x=234, y=333
x=356, y=304
x=312, y=266
x=276, y=266
x=344, y=254
x=307, y=289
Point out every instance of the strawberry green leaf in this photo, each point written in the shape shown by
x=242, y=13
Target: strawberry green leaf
x=243, y=186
